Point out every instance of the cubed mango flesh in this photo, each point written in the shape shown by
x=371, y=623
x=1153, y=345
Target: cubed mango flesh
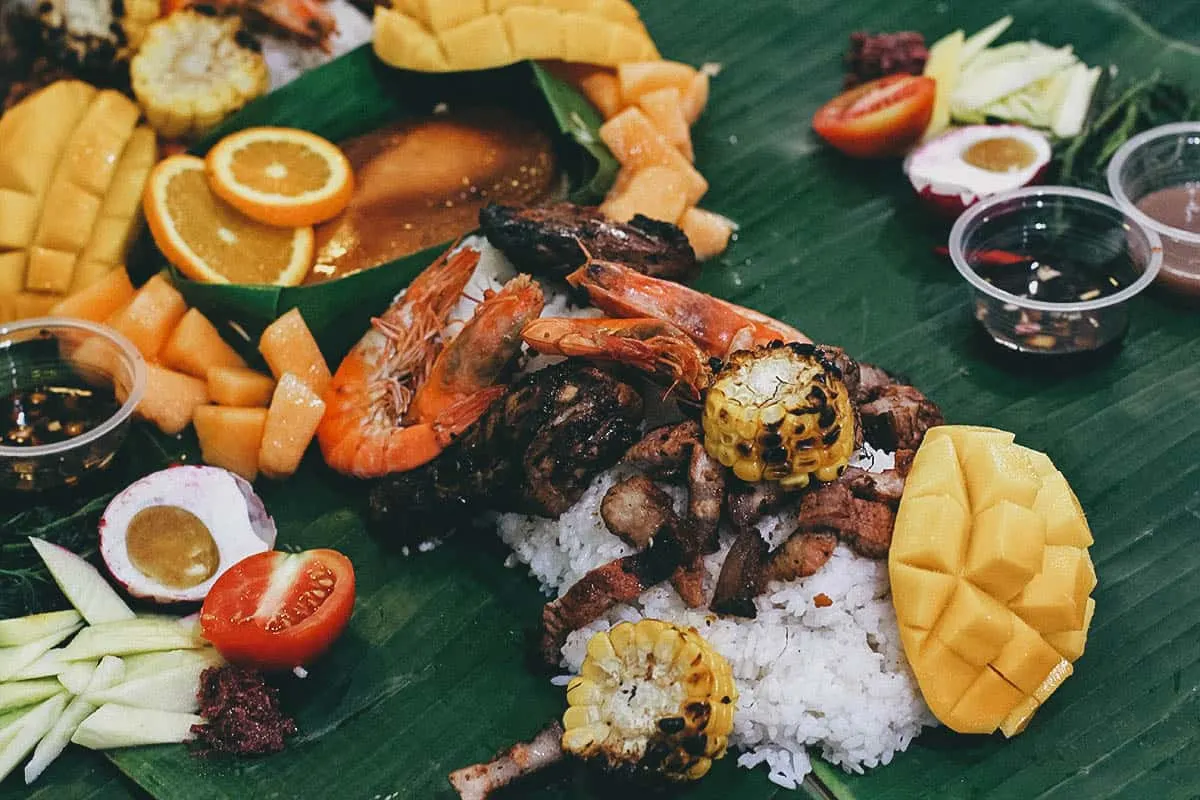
x=993, y=601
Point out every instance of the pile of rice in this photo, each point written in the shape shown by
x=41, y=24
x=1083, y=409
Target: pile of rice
x=821, y=666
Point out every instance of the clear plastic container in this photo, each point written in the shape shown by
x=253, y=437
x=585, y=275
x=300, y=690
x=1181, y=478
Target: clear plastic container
x=1164, y=158
x=1053, y=228
x=50, y=351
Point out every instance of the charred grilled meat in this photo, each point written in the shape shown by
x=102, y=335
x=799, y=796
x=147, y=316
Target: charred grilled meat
x=535, y=450
x=552, y=240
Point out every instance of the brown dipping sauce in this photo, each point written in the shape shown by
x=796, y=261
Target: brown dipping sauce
x=1178, y=207
x=421, y=182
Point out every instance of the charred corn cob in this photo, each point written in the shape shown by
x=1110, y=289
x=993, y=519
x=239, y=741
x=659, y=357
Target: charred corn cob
x=193, y=70
x=780, y=413
x=651, y=699
x=94, y=35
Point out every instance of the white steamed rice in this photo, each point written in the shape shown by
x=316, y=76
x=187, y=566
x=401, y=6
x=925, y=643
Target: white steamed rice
x=831, y=678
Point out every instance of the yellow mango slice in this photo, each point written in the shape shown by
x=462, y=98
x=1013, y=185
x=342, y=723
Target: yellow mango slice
x=1056, y=598
x=974, y=625
x=459, y=35
x=707, y=233
x=997, y=472
x=1027, y=660
x=931, y=592
x=985, y=703
x=936, y=472
x=50, y=270
x=1040, y=462
x=1065, y=520
x=19, y=213
x=990, y=578
x=1070, y=644
x=931, y=533
x=1006, y=545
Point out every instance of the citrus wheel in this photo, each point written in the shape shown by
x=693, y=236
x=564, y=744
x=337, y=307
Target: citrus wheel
x=281, y=176
x=209, y=241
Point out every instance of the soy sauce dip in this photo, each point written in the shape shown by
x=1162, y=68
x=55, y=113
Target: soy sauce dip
x=49, y=414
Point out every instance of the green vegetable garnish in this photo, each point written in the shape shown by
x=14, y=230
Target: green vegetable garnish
x=1118, y=112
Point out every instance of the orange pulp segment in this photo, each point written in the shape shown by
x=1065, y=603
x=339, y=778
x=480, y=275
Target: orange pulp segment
x=211, y=242
x=281, y=176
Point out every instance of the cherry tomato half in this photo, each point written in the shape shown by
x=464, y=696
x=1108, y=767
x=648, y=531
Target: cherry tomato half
x=279, y=610
x=880, y=118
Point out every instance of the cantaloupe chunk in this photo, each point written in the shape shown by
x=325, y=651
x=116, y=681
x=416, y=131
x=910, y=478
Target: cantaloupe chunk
x=292, y=422
x=639, y=77
x=656, y=192
x=637, y=144
x=151, y=316
x=603, y=90
x=288, y=346
x=664, y=107
x=100, y=300
x=195, y=346
x=230, y=437
x=695, y=99
x=239, y=386
x=708, y=233
x=171, y=398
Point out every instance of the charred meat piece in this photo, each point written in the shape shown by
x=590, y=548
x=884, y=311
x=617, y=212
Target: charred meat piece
x=688, y=580
x=871, y=381
x=800, y=556
x=638, y=511
x=864, y=525
x=881, y=487
x=478, y=781
x=747, y=503
x=596, y=592
x=898, y=416
x=534, y=450
x=551, y=240
x=742, y=575
x=665, y=452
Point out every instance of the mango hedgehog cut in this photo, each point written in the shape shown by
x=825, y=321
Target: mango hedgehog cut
x=464, y=35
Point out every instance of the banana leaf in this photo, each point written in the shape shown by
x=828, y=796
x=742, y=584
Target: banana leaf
x=356, y=94
x=433, y=672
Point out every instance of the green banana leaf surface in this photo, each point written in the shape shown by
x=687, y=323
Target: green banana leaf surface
x=434, y=672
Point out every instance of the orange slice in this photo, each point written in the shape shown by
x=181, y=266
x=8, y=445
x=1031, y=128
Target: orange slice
x=281, y=176
x=209, y=241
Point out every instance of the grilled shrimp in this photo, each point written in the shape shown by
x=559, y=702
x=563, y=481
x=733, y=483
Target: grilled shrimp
x=402, y=394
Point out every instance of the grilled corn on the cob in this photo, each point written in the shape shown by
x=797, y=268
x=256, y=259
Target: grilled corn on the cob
x=94, y=35
x=651, y=698
x=193, y=70
x=780, y=413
